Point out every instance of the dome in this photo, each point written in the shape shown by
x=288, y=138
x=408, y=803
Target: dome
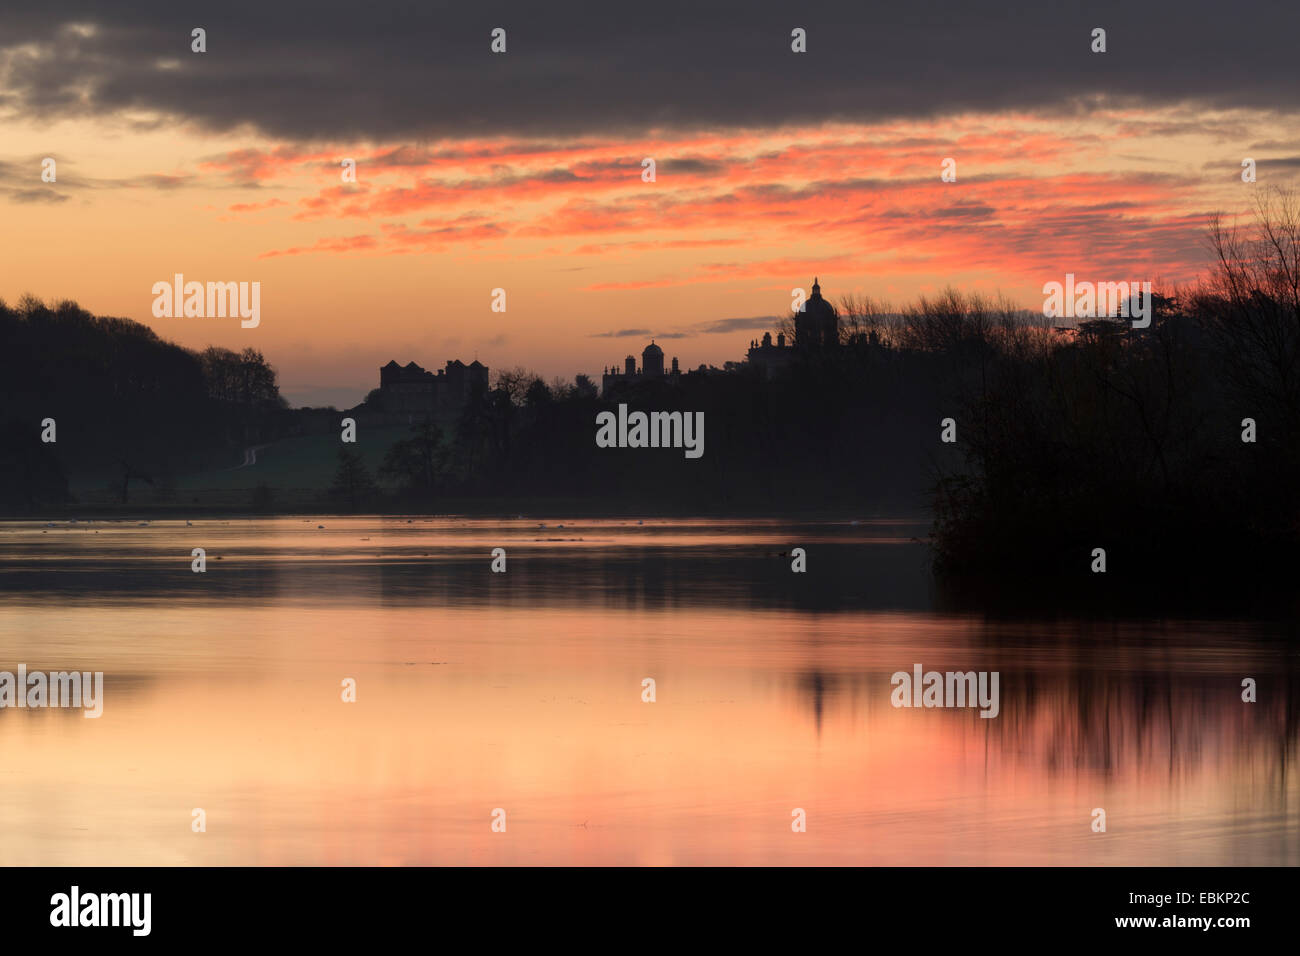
x=652, y=360
x=816, y=324
x=817, y=307
x=815, y=301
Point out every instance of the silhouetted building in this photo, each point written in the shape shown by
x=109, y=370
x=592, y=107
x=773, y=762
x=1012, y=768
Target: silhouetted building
x=409, y=392
x=652, y=368
x=816, y=325
x=652, y=360
x=816, y=328
x=768, y=358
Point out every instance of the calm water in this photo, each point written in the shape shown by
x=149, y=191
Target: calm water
x=522, y=691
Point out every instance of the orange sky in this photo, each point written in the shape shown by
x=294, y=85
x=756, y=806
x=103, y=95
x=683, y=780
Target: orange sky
x=402, y=264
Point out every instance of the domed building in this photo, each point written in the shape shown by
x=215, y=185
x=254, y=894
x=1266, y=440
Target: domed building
x=652, y=367
x=652, y=360
x=816, y=325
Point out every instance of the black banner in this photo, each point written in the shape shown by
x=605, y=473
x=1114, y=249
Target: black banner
x=1153, y=906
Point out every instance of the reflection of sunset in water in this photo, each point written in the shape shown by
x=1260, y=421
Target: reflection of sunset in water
x=470, y=698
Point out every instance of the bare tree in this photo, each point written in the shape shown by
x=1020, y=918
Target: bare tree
x=515, y=382
x=863, y=318
x=1251, y=303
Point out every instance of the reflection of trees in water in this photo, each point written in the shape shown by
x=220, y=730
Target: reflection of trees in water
x=1146, y=722
x=1087, y=705
x=551, y=568
x=154, y=567
x=582, y=564
x=816, y=685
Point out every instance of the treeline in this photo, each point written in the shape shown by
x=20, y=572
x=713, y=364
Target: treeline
x=1174, y=449
x=127, y=407
x=848, y=428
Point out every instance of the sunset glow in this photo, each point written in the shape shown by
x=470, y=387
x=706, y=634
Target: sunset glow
x=595, y=261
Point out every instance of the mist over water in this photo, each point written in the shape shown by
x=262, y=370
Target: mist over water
x=523, y=691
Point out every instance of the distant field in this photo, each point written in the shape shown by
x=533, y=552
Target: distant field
x=308, y=462
x=299, y=471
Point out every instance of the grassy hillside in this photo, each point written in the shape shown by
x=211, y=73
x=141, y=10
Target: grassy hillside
x=298, y=472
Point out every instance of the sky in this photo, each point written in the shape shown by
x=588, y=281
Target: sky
x=523, y=170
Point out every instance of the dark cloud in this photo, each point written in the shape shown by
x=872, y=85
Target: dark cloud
x=706, y=328
x=737, y=325
x=1276, y=144
x=957, y=211
x=1282, y=169
x=35, y=196
x=620, y=334
x=29, y=170
x=337, y=70
x=152, y=181
x=696, y=166
x=642, y=334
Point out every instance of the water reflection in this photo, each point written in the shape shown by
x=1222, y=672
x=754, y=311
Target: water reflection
x=523, y=691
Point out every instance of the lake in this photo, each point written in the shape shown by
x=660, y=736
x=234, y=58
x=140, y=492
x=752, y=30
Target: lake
x=523, y=691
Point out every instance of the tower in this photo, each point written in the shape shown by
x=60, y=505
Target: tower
x=652, y=360
x=816, y=326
